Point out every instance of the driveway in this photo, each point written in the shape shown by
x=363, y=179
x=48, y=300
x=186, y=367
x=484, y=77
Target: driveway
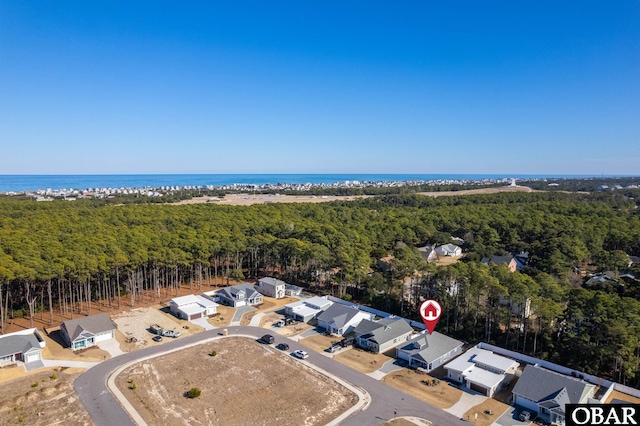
x=202, y=322
x=508, y=418
x=70, y=364
x=112, y=346
x=388, y=367
x=239, y=313
x=465, y=402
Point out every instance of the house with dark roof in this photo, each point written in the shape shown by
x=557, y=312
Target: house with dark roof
x=380, y=336
x=482, y=371
x=88, y=331
x=271, y=287
x=341, y=319
x=239, y=295
x=501, y=260
x=545, y=393
x=429, y=351
x=22, y=348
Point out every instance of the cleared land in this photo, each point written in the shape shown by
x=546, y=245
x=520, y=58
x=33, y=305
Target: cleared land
x=51, y=402
x=224, y=316
x=136, y=323
x=269, y=304
x=319, y=342
x=409, y=381
x=249, y=199
x=490, y=405
x=246, y=383
x=363, y=361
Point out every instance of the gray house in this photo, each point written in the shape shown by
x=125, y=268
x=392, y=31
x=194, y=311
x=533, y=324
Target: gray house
x=341, y=319
x=22, y=348
x=239, y=295
x=271, y=287
x=545, y=393
x=429, y=351
x=87, y=331
x=382, y=335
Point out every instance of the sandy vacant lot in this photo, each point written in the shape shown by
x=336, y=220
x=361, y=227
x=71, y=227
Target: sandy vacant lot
x=409, y=381
x=249, y=199
x=361, y=360
x=51, y=402
x=246, y=383
x=482, y=410
x=135, y=323
x=223, y=317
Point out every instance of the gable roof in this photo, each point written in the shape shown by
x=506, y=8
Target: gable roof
x=93, y=324
x=14, y=344
x=384, y=330
x=538, y=384
x=232, y=292
x=498, y=260
x=271, y=281
x=431, y=346
x=338, y=315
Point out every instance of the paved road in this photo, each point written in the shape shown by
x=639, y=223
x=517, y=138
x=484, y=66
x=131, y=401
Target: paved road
x=105, y=409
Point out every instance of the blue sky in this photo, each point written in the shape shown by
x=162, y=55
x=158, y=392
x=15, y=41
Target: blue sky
x=541, y=87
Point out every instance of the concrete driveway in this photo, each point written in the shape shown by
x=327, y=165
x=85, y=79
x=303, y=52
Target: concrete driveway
x=112, y=346
x=202, y=322
x=240, y=311
x=509, y=418
x=465, y=402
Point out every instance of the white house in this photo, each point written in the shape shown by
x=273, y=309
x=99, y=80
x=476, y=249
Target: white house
x=545, y=393
x=239, y=295
x=307, y=309
x=192, y=306
x=23, y=348
x=382, y=335
x=429, y=351
x=448, y=250
x=428, y=253
x=271, y=287
x=292, y=290
x=87, y=331
x=481, y=370
x=341, y=319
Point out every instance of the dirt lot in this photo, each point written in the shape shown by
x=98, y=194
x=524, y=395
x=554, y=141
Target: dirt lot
x=448, y=260
x=249, y=199
x=408, y=381
x=224, y=316
x=361, y=360
x=52, y=402
x=485, y=419
x=246, y=383
x=320, y=342
x=135, y=323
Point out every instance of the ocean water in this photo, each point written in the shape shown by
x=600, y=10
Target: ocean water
x=19, y=183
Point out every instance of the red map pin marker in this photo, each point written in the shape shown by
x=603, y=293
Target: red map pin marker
x=430, y=311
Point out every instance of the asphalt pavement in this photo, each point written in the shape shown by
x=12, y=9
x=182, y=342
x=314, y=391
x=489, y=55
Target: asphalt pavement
x=105, y=409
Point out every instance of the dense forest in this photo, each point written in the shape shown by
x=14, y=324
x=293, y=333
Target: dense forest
x=57, y=256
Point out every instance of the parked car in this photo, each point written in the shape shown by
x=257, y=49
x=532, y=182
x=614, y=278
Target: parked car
x=268, y=339
x=279, y=323
x=157, y=339
x=335, y=347
x=347, y=341
x=525, y=416
x=300, y=354
x=283, y=347
x=171, y=333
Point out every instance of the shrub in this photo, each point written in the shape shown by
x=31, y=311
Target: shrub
x=213, y=353
x=35, y=385
x=53, y=376
x=193, y=393
x=132, y=384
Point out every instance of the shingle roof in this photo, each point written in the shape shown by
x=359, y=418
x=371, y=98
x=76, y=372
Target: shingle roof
x=271, y=281
x=384, y=330
x=538, y=384
x=231, y=292
x=338, y=314
x=433, y=346
x=14, y=344
x=93, y=324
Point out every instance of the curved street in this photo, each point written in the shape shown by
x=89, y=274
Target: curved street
x=106, y=410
